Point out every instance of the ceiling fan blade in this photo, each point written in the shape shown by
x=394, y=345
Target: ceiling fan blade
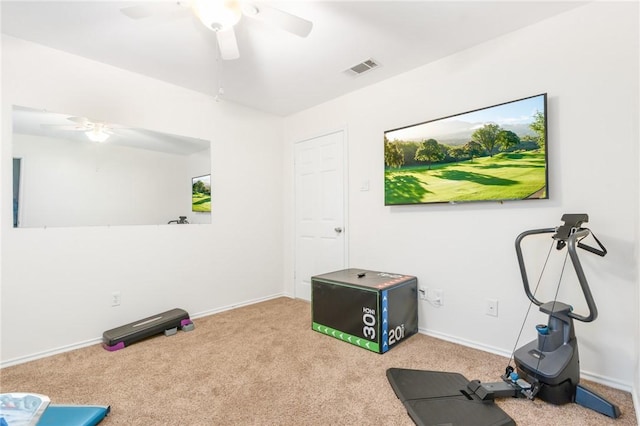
x=61, y=127
x=228, y=44
x=284, y=20
x=139, y=12
x=173, y=9
x=83, y=121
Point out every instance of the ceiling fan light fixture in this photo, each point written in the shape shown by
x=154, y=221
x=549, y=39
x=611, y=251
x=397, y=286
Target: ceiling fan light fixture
x=218, y=14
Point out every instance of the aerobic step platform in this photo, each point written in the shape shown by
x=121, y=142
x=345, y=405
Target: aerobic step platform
x=166, y=322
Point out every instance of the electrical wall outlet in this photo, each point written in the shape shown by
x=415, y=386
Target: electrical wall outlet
x=116, y=298
x=422, y=293
x=434, y=296
x=491, y=307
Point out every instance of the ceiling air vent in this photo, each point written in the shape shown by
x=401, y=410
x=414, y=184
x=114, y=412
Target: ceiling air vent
x=362, y=67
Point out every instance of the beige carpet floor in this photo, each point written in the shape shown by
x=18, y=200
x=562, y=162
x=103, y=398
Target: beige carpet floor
x=263, y=365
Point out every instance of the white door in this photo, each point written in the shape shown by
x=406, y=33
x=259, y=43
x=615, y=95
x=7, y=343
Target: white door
x=320, y=241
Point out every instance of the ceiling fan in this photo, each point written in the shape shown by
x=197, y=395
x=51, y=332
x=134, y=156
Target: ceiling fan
x=96, y=131
x=222, y=15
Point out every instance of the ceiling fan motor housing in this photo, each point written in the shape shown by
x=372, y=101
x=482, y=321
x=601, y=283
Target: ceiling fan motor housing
x=218, y=14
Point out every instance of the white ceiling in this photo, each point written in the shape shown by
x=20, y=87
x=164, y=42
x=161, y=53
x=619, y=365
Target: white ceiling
x=277, y=72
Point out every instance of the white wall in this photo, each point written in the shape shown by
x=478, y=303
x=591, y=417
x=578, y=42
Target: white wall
x=636, y=380
x=57, y=282
x=587, y=62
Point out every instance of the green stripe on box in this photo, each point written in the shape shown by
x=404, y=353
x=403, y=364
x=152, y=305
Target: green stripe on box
x=354, y=340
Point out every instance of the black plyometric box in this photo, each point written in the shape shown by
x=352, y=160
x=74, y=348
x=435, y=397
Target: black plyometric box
x=370, y=309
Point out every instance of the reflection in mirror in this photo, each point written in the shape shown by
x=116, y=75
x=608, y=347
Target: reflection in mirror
x=75, y=171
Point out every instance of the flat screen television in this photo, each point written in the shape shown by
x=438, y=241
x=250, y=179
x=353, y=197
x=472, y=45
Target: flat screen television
x=496, y=153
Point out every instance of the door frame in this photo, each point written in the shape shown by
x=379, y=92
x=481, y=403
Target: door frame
x=345, y=197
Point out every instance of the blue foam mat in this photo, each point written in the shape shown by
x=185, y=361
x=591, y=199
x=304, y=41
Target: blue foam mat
x=73, y=415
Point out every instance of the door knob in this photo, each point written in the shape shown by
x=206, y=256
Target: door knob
x=338, y=229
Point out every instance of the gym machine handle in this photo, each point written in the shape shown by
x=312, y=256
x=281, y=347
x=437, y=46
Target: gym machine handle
x=571, y=243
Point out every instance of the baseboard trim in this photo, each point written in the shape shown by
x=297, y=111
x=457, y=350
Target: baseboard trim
x=607, y=381
x=236, y=305
x=464, y=342
x=50, y=352
x=90, y=342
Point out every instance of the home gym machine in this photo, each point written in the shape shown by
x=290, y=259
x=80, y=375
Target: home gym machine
x=547, y=368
